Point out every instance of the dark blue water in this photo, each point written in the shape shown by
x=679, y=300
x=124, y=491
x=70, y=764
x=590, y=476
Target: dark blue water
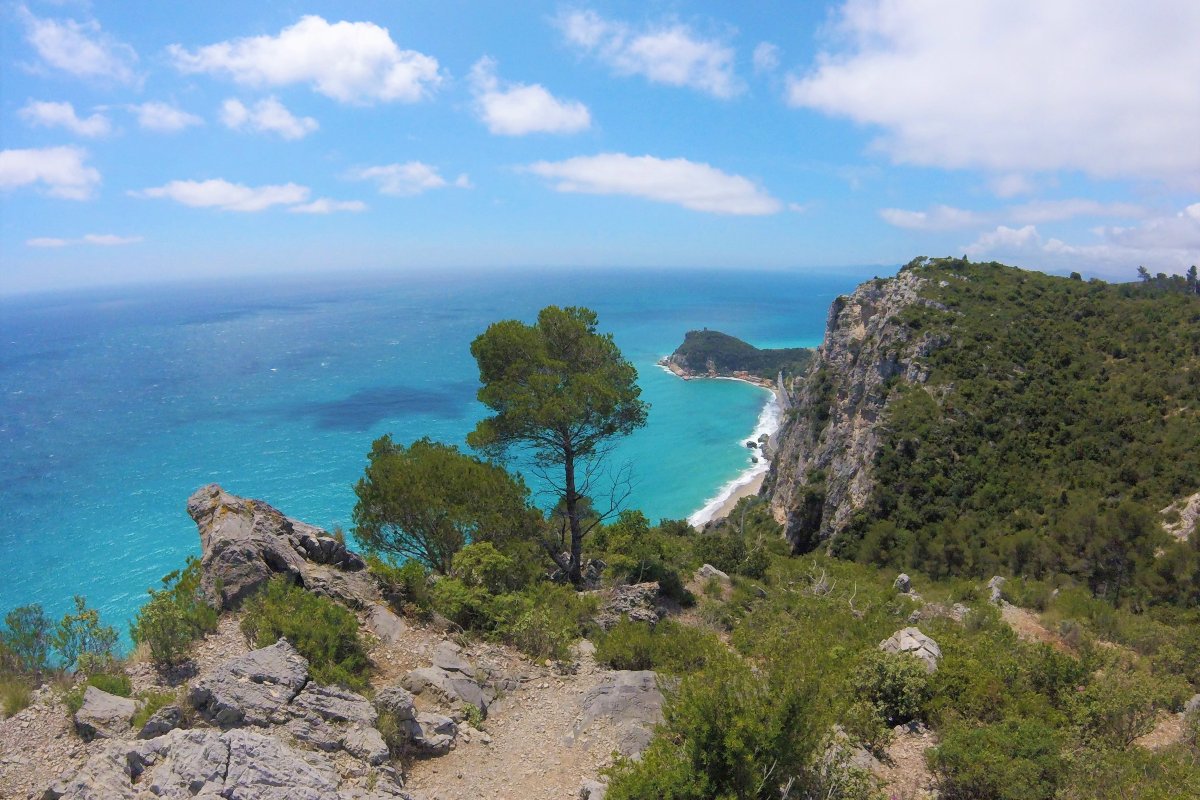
x=116, y=405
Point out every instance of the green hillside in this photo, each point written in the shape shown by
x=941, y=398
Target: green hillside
x=1059, y=419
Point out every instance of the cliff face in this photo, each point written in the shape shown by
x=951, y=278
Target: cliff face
x=822, y=472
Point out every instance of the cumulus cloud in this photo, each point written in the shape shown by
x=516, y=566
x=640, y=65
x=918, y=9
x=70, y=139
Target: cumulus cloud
x=352, y=62
x=944, y=218
x=60, y=170
x=324, y=205
x=266, y=116
x=62, y=115
x=226, y=196
x=516, y=109
x=766, y=57
x=163, y=117
x=692, y=185
x=405, y=180
x=1162, y=243
x=1016, y=86
x=671, y=53
x=80, y=48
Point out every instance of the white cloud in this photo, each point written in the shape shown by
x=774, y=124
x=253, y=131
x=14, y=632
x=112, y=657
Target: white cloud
x=944, y=218
x=102, y=239
x=766, y=57
x=353, y=62
x=405, y=180
x=670, y=54
x=516, y=109
x=81, y=49
x=62, y=115
x=692, y=185
x=1011, y=185
x=110, y=239
x=1099, y=86
x=227, y=196
x=267, y=116
x=1164, y=243
x=164, y=117
x=60, y=169
x=324, y=205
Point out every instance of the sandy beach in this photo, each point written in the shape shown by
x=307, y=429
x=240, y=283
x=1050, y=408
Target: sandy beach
x=749, y=490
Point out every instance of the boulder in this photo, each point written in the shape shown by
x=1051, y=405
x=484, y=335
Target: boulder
x=996, y=585
x=452, y=676
x=707, y=571
x=593, y=790
x=385, y=623
x=396, y=700
x=635, y=601
x=252, y=689
x=247, y=542
x=902, y=584
x=631, y=701
x=1192, y=706
x=915, y=643
x=430, y=734
x=166, y=719
x=103, y=715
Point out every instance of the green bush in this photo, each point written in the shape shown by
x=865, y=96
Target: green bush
x=175, y=616
x=15, y=694
x=26, y=637
x=730, y=553
x=727, y=733
x=545, y=621
x=1117, y=707
x=482, y=565
x=666, y=647
x=324, y=632
x=405, y=587
x=637, y=553
x=1010, y=760
x=895, y=684
x=80, y=639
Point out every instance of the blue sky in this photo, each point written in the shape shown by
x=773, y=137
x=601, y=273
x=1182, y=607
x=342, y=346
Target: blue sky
x=145, y=141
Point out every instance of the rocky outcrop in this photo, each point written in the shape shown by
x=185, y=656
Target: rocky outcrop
x=916, y=644
x=636, y=601
x=629, y=698
x=214, y=764
x=1181, y=519
x=253, y=689
x=822, y=470
x=103, y=715
x=247, y=542
x=161, y=722
x=451, y=676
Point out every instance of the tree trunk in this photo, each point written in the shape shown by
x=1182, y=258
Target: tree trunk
x=575, y=571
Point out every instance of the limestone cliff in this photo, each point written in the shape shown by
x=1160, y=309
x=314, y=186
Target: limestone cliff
x=822, y=472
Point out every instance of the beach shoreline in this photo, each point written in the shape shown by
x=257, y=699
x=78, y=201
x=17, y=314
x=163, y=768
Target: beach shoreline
x=749, y=481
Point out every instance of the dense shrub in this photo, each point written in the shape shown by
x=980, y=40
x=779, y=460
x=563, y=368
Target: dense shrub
x=175, y=616
x=324, y=632
x=896, y=685
x=727, y=733
x=637, y=553
x=666, y=647
x=1009, y=760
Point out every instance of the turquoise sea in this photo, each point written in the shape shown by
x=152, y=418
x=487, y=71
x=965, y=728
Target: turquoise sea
x=116, y=404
